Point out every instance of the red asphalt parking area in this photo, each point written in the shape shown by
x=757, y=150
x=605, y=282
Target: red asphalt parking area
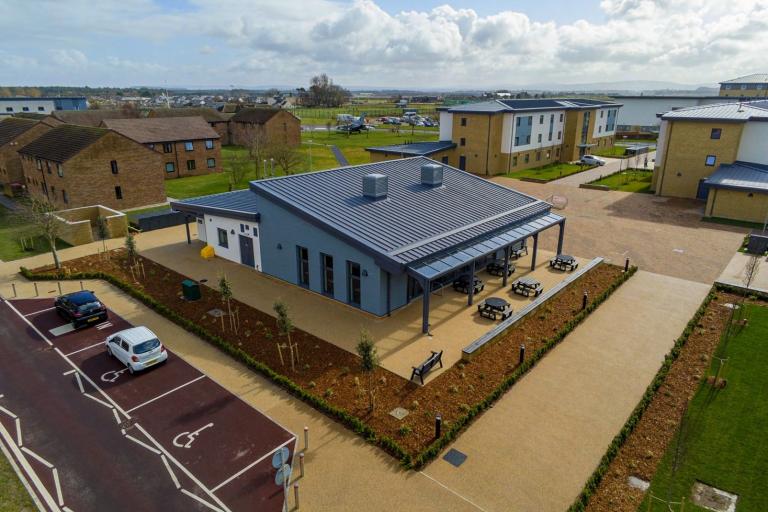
x=224, y=442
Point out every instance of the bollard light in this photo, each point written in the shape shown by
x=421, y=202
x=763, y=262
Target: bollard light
x=626, y=265
x=522, y=353
x=584, y=300
x=438, y=425
x=306, y=439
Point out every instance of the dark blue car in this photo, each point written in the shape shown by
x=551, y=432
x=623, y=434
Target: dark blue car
x=81, y=308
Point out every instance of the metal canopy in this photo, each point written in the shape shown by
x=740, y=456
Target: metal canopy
x=436, y=267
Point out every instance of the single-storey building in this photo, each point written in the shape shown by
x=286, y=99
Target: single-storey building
x=439, y=150
x=738, y=191
x=373, y=236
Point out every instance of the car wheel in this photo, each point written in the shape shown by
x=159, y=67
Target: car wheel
x=130, y=369
x=109, y=352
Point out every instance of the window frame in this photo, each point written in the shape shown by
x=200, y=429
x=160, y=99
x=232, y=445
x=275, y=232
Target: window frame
x=210, y=163
x=328, y=287
x=351, y=279
x=167, y=147
x=302, y=266
x=173, y=166
x=191, y=165
x=114, y=167
x=118, y=192
x=223, y=241
x=189, y=145
x=719, y=132
x=712, y=159
x=209, y=144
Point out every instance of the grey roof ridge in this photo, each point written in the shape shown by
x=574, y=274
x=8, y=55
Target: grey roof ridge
x=459, y=229
x=216, y=194
x=750, y=165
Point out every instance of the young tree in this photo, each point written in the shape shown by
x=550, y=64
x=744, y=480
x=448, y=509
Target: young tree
x=238, y=170
x=257, y=147
x=369, y=360
x=41, y=212
x=285, y=327
x=102, y=230
x=285, y=156
x=225, y=289
x=130, y=248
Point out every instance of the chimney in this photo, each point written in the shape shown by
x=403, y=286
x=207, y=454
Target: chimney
x=375, y=186
x=432, y=175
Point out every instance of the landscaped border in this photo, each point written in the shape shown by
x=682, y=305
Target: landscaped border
x=355, y=424
x=593, y=482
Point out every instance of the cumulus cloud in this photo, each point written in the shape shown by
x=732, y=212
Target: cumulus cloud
x=262, y=41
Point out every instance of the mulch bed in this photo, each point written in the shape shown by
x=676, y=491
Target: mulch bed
x=645, y=447
x=333, y=373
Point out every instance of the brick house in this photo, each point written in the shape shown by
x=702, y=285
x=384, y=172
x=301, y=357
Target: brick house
x=277, y=125
x=91, y=117
x=73, y=166
x=217, y=120
x=188, y=145
x=16, y=133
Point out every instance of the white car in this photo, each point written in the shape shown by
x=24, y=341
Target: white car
x=591, y=160
x=137, y=348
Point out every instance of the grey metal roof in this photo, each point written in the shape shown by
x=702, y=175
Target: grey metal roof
x=738, y=112
x=414, y=221
x=754, y=78
x=240, y=204
x=525, y=105
x=740, y=176
x=415, y=149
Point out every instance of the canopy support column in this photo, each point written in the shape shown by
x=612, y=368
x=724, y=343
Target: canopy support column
x=186, y=226
x=389, y=294
x=426, y=286
x=560, y=237
x=506, y=265
x=535, y=250
x=471, y=291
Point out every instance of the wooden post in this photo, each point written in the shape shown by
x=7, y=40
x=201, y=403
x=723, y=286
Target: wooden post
x=37, y=292
x=13, y=285
x=280, y=353
x=58, y=284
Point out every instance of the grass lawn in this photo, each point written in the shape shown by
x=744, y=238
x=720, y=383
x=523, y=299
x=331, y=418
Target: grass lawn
x=133, y=213
x=724, y=431
x=11, y=229
x=634, y=180
x=612, y=152
x=549, y=172
x=14, y=497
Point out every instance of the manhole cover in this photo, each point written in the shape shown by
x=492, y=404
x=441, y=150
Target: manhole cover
x=638, y=483
x=216, y=313
x=399, y=413
x=712, y=498
x=455, y=457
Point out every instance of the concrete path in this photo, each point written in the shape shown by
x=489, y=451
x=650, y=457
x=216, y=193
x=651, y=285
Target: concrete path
x=612, y=166
x=8, y=202
x=538, y=445
x=339, y=156
x=735, y=273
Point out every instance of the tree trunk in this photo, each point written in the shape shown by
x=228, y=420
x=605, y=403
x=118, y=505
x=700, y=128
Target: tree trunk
x=55, y=254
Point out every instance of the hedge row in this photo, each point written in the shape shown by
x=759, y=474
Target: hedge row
x=581, y=502
x=357, y=425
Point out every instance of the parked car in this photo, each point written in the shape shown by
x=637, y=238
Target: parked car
x=137, y=348
x=81, y=308
x=591, y=160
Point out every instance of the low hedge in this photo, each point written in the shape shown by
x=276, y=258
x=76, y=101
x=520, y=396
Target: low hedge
x=581, y=502
x=357, y=425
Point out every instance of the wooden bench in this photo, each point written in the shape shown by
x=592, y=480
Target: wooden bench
x=426, y=366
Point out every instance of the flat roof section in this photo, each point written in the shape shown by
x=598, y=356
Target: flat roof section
x=414, y=149
x=745, y=176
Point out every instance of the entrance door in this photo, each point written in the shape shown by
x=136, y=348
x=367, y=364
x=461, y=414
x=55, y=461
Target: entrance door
x=463, y=163
x=703, y=191
x=246, y=251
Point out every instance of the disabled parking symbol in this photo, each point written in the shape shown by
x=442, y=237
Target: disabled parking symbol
x=112, y=375
x=185, y=439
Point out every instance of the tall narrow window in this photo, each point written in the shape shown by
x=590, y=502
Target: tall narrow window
x=64, y=196
x=60, y=170
x=463, y=121
x=113, y=166
x=302, y=256
x=327, y=262
x=190, y=165
x=118, y=192
x=208, y=144
x=167, y=147
x=462, y=142
x=353, y=283
x=223, y=238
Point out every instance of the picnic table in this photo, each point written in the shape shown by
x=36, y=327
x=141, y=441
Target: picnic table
x=563, y=262
x=494, y=306
x=517, y=250
x=527, y=286
x=462, y=285
x=496, y=268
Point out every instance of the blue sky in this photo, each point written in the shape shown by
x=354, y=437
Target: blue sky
x=379, y=43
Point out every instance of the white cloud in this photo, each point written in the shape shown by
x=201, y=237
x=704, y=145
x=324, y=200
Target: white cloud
x=262, y=41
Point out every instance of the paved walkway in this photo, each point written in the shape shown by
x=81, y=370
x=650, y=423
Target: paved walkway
x=538, y=445
x=339, y=156
x=8, y=202
x=735, y=273
x=612, y=166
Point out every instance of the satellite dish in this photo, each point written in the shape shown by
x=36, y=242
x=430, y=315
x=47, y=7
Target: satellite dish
x=280, y=457
x=283, y=475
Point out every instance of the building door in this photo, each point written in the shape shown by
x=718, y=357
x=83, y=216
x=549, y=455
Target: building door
x=463, y=163
x=246, y=251
x=703, y=191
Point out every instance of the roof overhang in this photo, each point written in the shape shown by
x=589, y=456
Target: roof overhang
x=197, y=210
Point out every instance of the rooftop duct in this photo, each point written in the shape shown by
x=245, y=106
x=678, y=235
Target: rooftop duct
x=375, y=186
x=432, y=175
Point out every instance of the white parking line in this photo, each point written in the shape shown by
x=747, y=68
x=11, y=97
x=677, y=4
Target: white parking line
x=22, y=477
x=158, y=397
x=249, y=466
x=142, y=443
x=103, y=325
x=79, y=383
x=67, y=509
x=28, y=469
x=9, y=413
x=201, y=500
x=102, y=402
x=41, y=311
x=19, y=440
x=478, y=507
x=70, y=372
x=37, y=457
x=173, y=475
x=117, y=416
x=58, y=486
x=99, y=344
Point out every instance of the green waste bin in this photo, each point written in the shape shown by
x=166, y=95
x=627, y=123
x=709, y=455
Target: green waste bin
x=190, y=289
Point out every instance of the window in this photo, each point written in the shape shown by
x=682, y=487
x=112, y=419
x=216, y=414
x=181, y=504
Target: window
x=518, y=121
x=326, y=261
x=602, y=113
x=25, y=109
x=559, y=135
x=462, y=142
x=526, y=158
x=41, y=109
x=539, y=139
x=53, y=192
x=541, y=119
x=353, y=283
x=599, y=129
x=463, y=121
x=514, y=161
x=549, y=155
x=64, y=196
x=716, y=132
x=444, y=160
x=113, y=166
x=557, y=152
x=170, y=167
x=189, y=146
x=549, y=137
x=39, y=164
x=223, y=238
x=530, y=120
x=208, y=144
x=517, y=141
x=211, y=163
x=190, y=165
x=118, y=192
x=167, y=147
x=302, y=257
x=527, y=139
x=60, y=170
x=538, y=156
x=561, y=117
x=9, y=109
x=48, y=166
x=710, y=161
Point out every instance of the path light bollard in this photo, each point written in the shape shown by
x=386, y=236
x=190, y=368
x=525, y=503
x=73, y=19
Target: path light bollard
x=584, y=300
x=81, y=286
x=438, y=425
x=626, y=265
x=306, y=439
x=296, y=494
x=522, y=353
x=301, y=464
x=13, y=285
x=58, y=283
x=37, y=293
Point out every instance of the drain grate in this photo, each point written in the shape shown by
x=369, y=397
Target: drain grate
x=455, y=457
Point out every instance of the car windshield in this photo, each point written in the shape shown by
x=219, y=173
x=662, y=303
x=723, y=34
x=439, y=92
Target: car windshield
x=88, y=305
x=146, y=346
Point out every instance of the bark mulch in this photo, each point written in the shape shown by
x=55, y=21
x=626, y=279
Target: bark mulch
x=333, y=373
x=643, y=450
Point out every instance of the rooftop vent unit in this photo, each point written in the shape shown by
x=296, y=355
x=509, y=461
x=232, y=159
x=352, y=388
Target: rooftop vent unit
x=375, y=186
x=432, y=175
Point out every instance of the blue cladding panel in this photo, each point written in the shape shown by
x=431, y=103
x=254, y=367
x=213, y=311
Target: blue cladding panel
x=523, y=130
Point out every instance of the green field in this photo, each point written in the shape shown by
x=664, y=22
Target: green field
x=724, y=443
x=13, y=495
x=612, y=152
x=633, y=180
x=316, y=152
x=12, y=228
x=549, y=172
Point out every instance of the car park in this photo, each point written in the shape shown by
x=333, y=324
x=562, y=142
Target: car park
x=591, y=160
x=81, y=308
x=137, y=348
